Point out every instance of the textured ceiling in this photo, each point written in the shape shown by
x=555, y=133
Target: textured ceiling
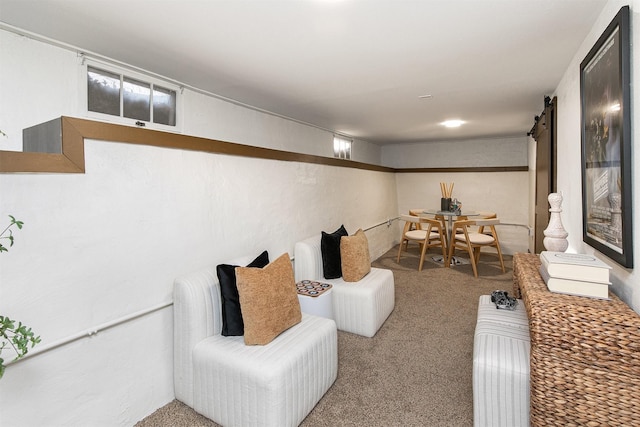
x=352, y=66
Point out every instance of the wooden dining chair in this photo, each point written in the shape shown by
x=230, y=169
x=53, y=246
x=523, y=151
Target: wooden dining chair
x=415, y=212
x=472, y=241
x=485, y=215
x=430, y=235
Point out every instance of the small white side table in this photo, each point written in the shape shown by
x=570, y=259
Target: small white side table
x=318, y=303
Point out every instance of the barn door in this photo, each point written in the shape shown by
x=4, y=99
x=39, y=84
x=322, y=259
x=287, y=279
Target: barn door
x=544, y=132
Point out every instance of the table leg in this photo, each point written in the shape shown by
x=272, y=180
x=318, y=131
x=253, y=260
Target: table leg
x=449, y=238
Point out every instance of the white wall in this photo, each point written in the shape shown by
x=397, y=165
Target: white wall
x=30, y=93
x=217, y=119
x=500, y=192
x=626, y=282
x=47, y=97
x=508, y=151
x=99, y=246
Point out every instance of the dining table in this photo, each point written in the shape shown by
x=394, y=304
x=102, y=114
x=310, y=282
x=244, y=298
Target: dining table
x=449, y=215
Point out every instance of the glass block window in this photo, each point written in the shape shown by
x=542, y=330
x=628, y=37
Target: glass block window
x=341, y=147
x=130, y=98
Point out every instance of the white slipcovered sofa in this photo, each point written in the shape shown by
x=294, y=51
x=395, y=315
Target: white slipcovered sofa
x=358, y=307
x=233, y=384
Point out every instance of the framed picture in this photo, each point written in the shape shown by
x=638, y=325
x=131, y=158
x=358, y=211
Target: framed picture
x=606, y=143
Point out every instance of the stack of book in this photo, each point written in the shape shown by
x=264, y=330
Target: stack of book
x=575, y=274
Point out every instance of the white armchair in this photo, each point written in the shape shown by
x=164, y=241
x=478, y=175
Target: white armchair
x=358, y=307
x=233, y=384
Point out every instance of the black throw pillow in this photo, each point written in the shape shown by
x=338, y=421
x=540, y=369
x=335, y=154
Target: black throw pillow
x=232, y=324
x=330, y=248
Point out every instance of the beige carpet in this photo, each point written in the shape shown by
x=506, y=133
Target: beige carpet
x=416, y=371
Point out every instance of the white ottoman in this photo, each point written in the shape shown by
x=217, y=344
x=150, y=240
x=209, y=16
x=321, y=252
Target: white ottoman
x=318, y=305
x=362, y=307
x=487, y=312
x=501, y=358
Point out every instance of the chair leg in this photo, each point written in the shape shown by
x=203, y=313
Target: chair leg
x=400, y=248
x=476, y=254
x=472, y=258
x=497, y=245
x=424, y=251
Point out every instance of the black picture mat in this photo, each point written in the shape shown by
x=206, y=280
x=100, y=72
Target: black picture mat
x=606, y=143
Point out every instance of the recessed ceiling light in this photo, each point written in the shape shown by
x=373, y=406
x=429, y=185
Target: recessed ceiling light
x=452, y=123
x=427, y=96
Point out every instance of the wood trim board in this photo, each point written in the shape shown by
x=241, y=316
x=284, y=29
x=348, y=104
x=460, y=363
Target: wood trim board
x=75, y=130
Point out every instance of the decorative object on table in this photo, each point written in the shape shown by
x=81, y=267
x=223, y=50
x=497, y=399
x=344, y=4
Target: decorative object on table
x=575, y=287
x=16, y=338
x=575, y=274
x=315, y=298
x=503, y=301
x=456, y=206
x=312, y=288
x=445, y=201
x=555, y=236
x=606, y=143
x=445, y=204
x=575, y=266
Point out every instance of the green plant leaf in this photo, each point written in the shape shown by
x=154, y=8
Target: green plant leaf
x=17, y=338
x=8, y=231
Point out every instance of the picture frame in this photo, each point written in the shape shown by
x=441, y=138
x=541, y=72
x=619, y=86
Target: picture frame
x=606, y=143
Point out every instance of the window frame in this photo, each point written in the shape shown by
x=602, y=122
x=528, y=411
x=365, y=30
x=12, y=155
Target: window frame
x=345, y=149
x=134, y=75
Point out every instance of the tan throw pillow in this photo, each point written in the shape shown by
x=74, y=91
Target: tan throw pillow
x=354, y=252
x=269, y=300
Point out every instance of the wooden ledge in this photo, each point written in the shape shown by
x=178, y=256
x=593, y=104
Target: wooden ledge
x=74, y=132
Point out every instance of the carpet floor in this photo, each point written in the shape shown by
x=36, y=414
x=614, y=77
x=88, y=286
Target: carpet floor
x=416, y=371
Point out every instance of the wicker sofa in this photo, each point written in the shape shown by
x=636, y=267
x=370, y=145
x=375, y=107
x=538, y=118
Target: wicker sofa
x=585, y=354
